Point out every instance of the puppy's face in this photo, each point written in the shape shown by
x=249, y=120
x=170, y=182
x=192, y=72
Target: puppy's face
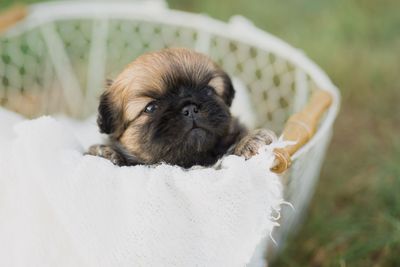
x=169, y=106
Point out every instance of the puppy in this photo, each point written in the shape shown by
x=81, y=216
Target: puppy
x=172, y=106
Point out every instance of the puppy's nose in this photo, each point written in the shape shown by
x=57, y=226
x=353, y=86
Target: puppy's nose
x=190, y=110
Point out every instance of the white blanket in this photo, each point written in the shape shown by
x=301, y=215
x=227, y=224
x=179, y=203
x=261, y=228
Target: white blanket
x=60, y=208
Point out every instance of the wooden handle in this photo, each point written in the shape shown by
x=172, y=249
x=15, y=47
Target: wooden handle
x=11, y=16
x=300, y=128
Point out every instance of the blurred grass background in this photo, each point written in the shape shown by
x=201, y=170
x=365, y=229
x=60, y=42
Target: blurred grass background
x=354, y=218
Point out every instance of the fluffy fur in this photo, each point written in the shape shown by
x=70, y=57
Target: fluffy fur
x=172, y=106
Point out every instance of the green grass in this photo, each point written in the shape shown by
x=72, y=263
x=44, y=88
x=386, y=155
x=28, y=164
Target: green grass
x=354, y=218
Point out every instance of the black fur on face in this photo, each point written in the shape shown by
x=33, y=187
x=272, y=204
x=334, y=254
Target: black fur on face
x=174, y=137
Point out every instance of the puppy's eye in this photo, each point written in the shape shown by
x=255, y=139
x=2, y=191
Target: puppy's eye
x=209, y=91
x=151, y=107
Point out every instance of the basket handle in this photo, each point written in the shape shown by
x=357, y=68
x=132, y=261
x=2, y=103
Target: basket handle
x=11, y=16
x=300, y=128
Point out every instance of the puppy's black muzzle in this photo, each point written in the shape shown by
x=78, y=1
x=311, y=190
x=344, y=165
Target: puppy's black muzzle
x=190, y=111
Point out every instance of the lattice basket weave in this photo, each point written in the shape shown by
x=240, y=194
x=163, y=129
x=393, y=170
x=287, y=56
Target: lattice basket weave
x=57, y=58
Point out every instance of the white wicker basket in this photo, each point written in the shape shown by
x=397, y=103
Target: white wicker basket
x=57, y=58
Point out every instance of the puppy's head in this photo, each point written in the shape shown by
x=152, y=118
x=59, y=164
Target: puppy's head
x=169, y=106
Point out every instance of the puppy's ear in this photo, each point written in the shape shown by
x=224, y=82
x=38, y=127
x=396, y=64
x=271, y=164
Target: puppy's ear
x=229, y=92
x=106, y=119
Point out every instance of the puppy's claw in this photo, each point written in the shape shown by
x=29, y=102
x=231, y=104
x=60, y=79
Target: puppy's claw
x=106, y=152
x=252, y=142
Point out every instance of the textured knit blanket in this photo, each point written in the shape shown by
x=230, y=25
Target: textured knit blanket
x=61, y=208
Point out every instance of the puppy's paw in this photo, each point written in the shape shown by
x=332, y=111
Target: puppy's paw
x=106, y=152
x=249, y=145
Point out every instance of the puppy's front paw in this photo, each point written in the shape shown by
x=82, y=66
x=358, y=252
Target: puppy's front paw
x=249, y=145
x=106, y=152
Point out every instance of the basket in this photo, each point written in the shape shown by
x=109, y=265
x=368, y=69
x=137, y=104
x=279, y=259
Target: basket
x=57, y=58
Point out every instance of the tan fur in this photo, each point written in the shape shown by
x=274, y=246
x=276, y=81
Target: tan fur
x=218, y=84
x=134, y=106
x=138, y=77
x=129, y=139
